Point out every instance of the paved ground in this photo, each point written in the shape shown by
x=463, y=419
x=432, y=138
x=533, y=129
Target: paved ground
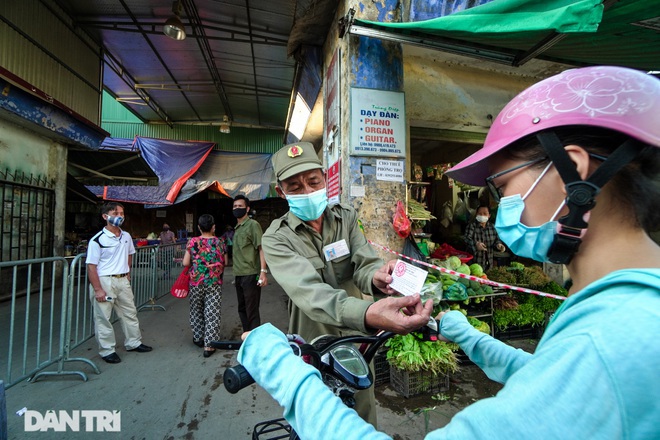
x=173, y=392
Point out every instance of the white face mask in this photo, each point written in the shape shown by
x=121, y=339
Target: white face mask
x=482, y=218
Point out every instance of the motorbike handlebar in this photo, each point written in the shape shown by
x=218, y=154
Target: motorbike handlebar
x=226, y=345
x=236, y=378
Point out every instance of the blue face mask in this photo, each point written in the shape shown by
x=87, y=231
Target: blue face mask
x=115, y=220
x=308, y=206
x=525, y=241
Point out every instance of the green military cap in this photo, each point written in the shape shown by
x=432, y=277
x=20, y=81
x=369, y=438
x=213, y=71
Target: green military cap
x=295, y=158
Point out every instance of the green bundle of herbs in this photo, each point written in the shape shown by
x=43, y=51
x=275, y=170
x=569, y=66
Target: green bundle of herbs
x=418, y=211
x=409, y=353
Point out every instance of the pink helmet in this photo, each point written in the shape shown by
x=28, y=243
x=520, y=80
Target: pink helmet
x=617, y=98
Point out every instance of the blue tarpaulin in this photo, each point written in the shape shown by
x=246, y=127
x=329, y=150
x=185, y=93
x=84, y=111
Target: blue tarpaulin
x=232, y=174
x=185, y=168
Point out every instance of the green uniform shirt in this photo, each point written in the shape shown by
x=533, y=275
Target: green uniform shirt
x=325, y=296
x=247, y=239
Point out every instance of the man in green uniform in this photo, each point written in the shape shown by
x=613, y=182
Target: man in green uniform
x=322, y=260
x=249, y=264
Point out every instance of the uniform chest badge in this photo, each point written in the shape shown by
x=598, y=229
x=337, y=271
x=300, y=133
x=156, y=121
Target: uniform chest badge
x=295, y=151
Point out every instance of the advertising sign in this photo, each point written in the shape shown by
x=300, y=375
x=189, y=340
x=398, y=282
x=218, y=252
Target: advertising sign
x=378, y=123
x=390, y=170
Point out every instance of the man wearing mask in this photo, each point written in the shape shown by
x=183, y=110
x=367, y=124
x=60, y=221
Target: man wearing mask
x=249, y=264
x=109, y=256
x=481, y=238
x=322, y=260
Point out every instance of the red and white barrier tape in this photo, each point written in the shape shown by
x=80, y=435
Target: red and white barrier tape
x=470, y=277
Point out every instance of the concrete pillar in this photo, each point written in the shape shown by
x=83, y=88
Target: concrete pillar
x=372, y=64
x=57, y=165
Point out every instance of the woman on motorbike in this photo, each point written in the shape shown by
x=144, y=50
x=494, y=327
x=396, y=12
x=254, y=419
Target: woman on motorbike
x=574, y=161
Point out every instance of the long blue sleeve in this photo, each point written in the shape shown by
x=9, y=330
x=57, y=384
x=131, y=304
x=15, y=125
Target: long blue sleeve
x=498, y=360
x=594, y=373
x=309, y=406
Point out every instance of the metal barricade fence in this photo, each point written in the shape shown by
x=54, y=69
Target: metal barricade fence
x=154, y=270
x=81, y=316
x=34, y=326
x=50, y=313
x=144, y=276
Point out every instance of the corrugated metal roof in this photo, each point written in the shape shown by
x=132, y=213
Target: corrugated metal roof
x=232, y=62
x=241, y=139
x=121, y=123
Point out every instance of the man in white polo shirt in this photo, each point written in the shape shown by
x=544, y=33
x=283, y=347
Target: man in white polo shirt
x=109, y=256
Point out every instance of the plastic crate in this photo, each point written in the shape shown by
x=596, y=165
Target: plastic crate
x=410, y=384
x=381, y=367
x=524, y=332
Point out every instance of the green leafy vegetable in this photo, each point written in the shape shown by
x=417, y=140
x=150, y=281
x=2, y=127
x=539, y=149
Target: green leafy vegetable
x=479, y=325
x=524, y=314
x=454, y=262
x=464, y=269
x=476, y=270
x=408, y=353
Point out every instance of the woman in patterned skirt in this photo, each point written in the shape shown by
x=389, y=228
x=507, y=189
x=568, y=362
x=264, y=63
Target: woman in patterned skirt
x=206, y=257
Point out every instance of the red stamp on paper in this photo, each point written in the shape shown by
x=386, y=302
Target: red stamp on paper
x=400, y=269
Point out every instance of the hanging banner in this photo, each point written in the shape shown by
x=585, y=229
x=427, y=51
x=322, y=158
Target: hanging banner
x=378, y=123
x=333, y=185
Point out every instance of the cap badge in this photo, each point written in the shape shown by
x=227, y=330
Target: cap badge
x=295, y=151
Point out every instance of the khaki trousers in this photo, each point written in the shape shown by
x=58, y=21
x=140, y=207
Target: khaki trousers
x=365, y=402
x=124, y=306
x=365, y=406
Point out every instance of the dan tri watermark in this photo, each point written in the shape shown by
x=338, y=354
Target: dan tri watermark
x=73, y=421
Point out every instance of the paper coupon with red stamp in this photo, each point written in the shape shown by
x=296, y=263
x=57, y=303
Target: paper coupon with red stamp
x=408, y=279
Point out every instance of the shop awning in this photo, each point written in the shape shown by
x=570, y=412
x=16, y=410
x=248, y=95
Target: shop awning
x=577, y=32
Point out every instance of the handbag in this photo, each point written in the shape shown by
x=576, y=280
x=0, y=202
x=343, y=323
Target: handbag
x=181, y=285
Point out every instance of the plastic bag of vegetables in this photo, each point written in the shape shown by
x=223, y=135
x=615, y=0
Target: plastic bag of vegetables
x=432, y=290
